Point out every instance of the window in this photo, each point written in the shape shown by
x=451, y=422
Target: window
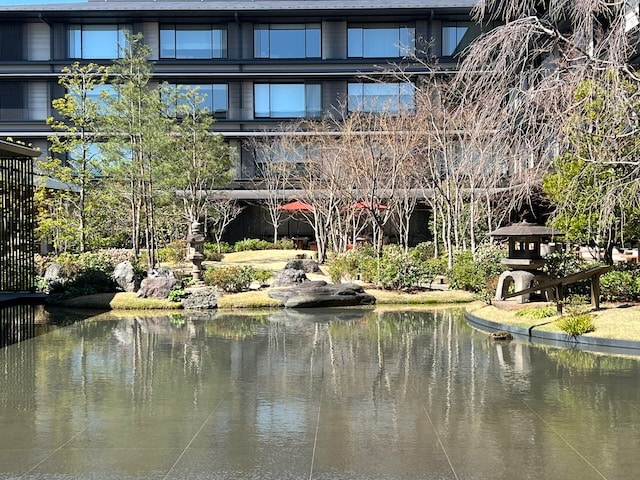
x=277, y=161
x=457, y=36
x=214, y=97
x=381, y=97
x=193, y=41
x=287, y=41
x=89, y=155
x=287, y=100
x=97, y=41
x=11, y=42
x=13, y=101
x=98, y=93
x=381, y=40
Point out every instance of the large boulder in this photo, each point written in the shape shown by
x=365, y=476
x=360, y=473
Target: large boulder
x=158, y=284
x=125, y=276
x=290, y=276
x=319, y=293
x=53, y=274
x=202, y=298
x=307, y=264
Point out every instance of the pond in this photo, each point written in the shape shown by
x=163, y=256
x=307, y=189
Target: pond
x=333, y=394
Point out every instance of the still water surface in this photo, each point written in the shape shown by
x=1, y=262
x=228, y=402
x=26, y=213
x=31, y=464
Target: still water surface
x=331, y=395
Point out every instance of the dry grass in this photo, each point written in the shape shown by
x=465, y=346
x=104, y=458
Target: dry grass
x=254, y=299
x=435, y=297
x=611, y=321
x=119, y=301
x=266, y=259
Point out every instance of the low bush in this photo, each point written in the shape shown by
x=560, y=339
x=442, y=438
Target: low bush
x=352, y=264
x=621, y=284
x=577, y=324
x=284, y=244
x=475, y=273
x=252, y=244
x=82, y=274
x=395, y=269
x=222, y=247
x=398, y=270
x=234, y=278
x=173, y=252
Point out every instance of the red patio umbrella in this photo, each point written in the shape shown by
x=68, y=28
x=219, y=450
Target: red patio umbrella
x=367, y=205
x=296, y=206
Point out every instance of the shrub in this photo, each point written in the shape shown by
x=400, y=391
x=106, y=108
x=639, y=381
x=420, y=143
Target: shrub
x=83, y=274
x=284, y=244
x=177, y=294
x=173, y=252
x=424, y=251
x=475, y=274
x=351, y=264
x=222, y=247
x=262, y=276
x=621, y=284
x=577, y=324
x=252, y=244
x=234, y=278
x=399, y=271
x=393, y=270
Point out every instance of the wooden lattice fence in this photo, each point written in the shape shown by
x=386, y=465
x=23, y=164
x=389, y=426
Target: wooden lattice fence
x=17, y=221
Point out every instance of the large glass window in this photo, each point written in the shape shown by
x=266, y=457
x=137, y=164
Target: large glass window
x=215, y=97
x=193, y=41
x=13, y=101
x=287, y=100
x=287, y=40
x=381, y=97
x=456, y=36
x=381, y=40
x=97, y=41
x=271, y=159
x=99, y=94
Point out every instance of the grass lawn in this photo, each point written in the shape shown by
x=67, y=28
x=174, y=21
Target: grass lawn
x=611, y=321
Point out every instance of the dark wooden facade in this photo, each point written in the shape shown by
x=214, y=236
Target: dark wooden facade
x=17, y=218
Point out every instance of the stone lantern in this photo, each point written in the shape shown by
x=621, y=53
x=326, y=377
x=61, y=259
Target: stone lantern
x=525, y=258
x=195, y=241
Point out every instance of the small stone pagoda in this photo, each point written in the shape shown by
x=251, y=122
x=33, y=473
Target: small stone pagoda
x=526, y=244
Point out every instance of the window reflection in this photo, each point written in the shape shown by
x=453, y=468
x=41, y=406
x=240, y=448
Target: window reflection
x=287, y=40
x=97, y=41
x=287, y=100
x=381, y=97
x=193, y=41
x=380, y=40
x=456, y=36
x=214, y=97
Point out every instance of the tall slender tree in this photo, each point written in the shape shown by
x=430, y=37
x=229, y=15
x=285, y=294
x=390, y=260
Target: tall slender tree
x=136, y=127
x=76, y=164
x=195, y=160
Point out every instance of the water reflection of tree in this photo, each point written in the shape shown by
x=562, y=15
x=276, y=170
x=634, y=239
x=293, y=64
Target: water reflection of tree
x=393, y=378
x=237, y=327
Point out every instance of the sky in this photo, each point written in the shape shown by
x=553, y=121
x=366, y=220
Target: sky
x=36, y=2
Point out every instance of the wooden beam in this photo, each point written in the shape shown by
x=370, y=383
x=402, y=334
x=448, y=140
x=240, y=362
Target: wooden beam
x=592, y=273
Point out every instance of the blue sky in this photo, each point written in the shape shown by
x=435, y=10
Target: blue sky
x=36, y=2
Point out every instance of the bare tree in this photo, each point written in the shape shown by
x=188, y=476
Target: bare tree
x=277, y=159
x=521, y=78
x=221, y=212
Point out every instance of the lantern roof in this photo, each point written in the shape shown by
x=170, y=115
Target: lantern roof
x=526, y=229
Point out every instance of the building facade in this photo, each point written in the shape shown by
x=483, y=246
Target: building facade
x=259, y=62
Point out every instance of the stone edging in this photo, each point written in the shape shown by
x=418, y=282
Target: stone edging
x=564, y=338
